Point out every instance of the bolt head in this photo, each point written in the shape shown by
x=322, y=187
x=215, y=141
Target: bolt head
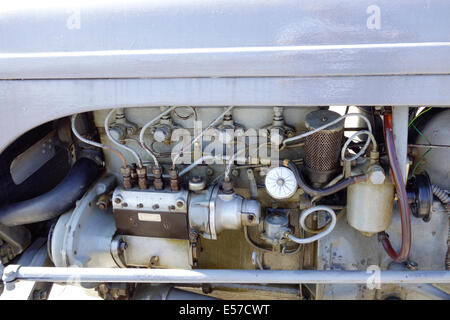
x=376, y=175
x=180, y=204
x=101, y=205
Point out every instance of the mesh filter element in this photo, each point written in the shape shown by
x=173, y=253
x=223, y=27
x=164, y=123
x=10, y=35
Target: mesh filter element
x=322, y=148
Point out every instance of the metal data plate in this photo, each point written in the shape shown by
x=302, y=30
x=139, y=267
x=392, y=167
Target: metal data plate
x=151, y=213
x=164, y=225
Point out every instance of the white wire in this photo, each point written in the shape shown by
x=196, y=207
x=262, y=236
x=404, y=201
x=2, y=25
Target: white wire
x=117, y=143
x=363, y=149
x=93, y=143
x=320, y=235
x=219, y=117
x=75, y=132
x=306, y=134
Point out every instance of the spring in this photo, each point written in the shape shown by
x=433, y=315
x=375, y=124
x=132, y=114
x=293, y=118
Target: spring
x=441, y=194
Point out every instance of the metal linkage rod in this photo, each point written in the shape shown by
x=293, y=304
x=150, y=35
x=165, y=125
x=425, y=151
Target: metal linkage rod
x=48, y=274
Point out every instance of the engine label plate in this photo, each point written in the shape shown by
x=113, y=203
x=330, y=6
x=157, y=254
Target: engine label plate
x=152, y=217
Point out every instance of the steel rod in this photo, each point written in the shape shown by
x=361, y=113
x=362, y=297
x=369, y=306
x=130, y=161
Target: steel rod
x=74, y=275
x=436, y=146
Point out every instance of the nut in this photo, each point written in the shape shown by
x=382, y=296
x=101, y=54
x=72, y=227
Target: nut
x=180, y=204
x=154, y=260
x=376, y=174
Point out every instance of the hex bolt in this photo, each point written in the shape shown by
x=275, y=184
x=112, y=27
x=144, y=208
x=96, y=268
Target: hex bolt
x=40, y=295
x=376, y=174
x=10, y=286
x=180, y=204
x=411, y=265
x=122, y=246
x=103, y=202
x=101, y=206
x=154, y=260
x=155, y=206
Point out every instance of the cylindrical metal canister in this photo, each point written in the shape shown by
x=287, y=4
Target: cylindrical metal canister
x=322, y=148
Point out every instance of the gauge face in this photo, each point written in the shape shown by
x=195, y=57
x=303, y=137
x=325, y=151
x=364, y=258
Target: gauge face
x=281, y=183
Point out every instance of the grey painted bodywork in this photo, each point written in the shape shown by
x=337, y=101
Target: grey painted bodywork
x=62, y=57
x=58, y=58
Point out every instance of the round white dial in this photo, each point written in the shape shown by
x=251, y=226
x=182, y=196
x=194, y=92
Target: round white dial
x=281, y=183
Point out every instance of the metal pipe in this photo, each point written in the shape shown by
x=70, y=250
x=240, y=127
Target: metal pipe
x=219, y=117
x=436, y=146
x=114, y=275
x=94, y=143
x=117, y=143
x=148, y=124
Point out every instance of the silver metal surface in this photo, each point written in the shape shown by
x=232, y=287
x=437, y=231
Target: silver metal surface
x=436, y=163
x=275, y=226
x=82, y=237
x=347, y=249
x=400, y=129
x=197, y=184
x=25, y=104
x=144, y=200
x=36, y=256
x=211, y=212
x=42, y=274
x=171, y=253
x=32, y=159
x=66, y=57
x=304, y=56
x=165, y=292
x=87, y=40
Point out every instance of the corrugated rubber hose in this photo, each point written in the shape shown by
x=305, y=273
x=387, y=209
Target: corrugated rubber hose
x=443, y=196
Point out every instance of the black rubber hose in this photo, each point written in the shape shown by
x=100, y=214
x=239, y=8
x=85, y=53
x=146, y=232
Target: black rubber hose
x=326, y=191
x=55, y=202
